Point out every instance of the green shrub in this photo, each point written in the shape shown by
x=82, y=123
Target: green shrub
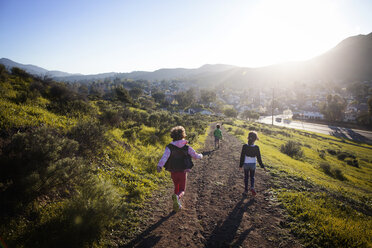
x=192, y=137
x=332, y=152
x=73, y=108
x=326, y=168
x=90, y=135
x=60, y=92
x=284, y=133
x=111, y=118
x=239, y=131
x=342, y=156
x=19, y=72
x=123, y=95
x=130, y=134
x=352, y=162
x=333, y=172
x=337, y=173
x=81, y=221
x=36, y=163
x=321, y=154
x=266, y=131
x=292, y=149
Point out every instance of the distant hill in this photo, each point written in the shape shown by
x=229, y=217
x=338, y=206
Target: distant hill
x=161, y=74
x=32, y=69
x=350, y=60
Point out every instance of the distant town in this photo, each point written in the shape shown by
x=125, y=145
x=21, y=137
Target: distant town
x=320, y=101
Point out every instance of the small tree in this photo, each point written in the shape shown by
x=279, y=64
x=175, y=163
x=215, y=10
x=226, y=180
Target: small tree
x=186, y=98
x=135, y=93
x=248, y=114
x=123, y=95
x=231, y=112
x=207, y=96
x=159, y=97
x=334, y=108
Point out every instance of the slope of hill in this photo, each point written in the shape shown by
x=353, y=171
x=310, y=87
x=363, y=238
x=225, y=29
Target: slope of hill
x=29, y=68
x=32, y=69
x=74, y=167
x=349, y=60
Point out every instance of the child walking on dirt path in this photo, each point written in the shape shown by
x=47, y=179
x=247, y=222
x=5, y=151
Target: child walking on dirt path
x=250, y=153
x=177, y=160
x=217, y=136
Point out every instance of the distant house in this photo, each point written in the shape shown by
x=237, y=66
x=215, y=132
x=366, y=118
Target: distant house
x=198, y=110
x=190, y=111
x=363, y=107
x=169, y=97
x=350, y=116
x=307, y=115
x=205, y=112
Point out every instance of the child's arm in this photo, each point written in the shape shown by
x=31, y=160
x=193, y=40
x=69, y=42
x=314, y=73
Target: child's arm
x=193, y=153
x=259, y=158
x=242, y=157
x=163, y=159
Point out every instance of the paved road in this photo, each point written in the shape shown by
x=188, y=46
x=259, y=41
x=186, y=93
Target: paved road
x=354, y=134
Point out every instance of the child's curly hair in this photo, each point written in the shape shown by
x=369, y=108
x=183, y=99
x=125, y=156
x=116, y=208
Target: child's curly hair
x=178, y=133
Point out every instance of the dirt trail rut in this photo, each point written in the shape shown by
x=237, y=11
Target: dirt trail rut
x=215, y=212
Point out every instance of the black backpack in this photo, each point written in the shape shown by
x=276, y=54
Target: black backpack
x=179, y=159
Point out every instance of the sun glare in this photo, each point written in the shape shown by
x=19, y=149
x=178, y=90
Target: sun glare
x=280, y=31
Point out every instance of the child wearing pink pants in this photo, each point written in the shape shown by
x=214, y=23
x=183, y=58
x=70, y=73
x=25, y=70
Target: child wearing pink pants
x=173, y=160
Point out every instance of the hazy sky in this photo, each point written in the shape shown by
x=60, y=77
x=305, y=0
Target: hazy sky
x=89, y=36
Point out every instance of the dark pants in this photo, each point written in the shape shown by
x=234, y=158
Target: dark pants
x=249, y=170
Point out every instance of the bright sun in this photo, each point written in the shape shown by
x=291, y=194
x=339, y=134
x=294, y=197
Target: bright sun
x=280, y=31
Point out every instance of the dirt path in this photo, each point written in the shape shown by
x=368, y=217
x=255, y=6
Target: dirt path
x=215, y=212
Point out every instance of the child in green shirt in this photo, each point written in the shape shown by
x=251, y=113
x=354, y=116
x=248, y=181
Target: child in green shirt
x=217, y=136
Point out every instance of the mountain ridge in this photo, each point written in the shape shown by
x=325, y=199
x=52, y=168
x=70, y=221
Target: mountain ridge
x=33, y=69
x=349, y=60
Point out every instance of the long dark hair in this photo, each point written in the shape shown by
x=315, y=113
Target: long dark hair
x=252, y=137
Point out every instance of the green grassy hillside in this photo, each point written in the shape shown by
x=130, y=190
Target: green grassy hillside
x=77, y=164
x=325, y=183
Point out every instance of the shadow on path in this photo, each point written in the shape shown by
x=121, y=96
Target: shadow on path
x=142, y=240
x=207, y=153
x=223, y=235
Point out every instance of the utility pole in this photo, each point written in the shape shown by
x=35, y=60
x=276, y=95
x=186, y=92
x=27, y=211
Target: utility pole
x=272, y=109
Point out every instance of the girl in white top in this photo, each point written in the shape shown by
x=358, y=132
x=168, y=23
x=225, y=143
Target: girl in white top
x=250, y=154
